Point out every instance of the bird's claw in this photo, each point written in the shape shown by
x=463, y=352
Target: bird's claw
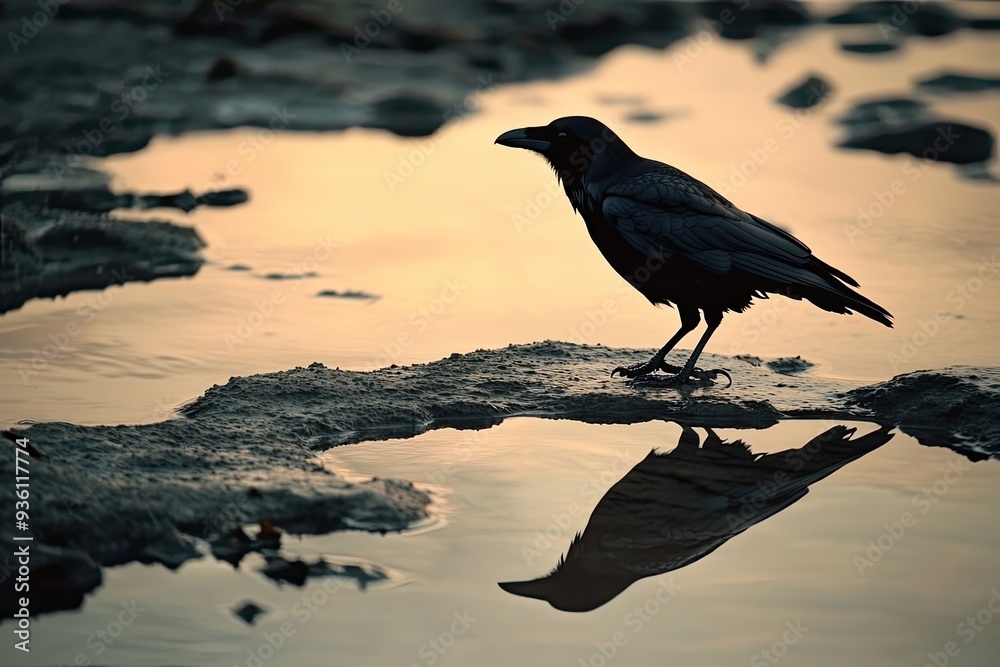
x=710, y=376
x=697, y=375
x=635, y=371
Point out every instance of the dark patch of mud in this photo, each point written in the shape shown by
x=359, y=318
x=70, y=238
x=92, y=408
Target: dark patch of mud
x=298, y=572
x=57, y=237
x=50, y=252
x=248, y=611
x=963, y=144
x=347, y=294
x=290, y=276
x=60, y=579
x=928, y=19
x=869, y=48
x=904, y=125
x=645, y=117
x=953, y=82
x=115, y=495
x=325, y=407
x=103, y=200
x=806, y=94
x=790, y=365
x=955, y=407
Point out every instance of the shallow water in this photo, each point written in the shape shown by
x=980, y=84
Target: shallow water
x=835, y=578
x=466, y=247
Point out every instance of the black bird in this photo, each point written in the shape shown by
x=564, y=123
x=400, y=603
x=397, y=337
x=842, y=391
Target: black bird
x=678, y=241
x=675, y=508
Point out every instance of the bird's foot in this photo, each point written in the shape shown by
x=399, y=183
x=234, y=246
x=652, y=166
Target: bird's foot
x=711, y=375
x=697, y=376
x=640, y=370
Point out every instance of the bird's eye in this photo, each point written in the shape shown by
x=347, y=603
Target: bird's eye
x=561, y=135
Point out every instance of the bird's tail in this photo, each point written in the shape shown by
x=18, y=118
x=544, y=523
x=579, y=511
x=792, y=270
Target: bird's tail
x=842, y=299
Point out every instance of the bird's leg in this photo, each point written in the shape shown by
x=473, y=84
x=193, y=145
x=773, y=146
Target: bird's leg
x=713, y=320
x=689, y=320
x=689, y=370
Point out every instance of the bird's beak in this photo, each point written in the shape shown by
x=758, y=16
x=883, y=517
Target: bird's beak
x=540, y=589
x=530, y=138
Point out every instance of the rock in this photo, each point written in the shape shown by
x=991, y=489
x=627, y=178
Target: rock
x=744, y=20
x=950, y=82
x=810, y=92
x=962, y=144
x=885, y=112
x=408, y=115
x=929, y=19
x=290, y=276
x=349, y=294
x=869, y=47
x=102, y=200
x=298, y=572
x=51, y=252
x=248, y=611
x=222, y=69
x=954, y=407
x=644, y=117
x=790, y=365
x=234, y=544
x=984, y=23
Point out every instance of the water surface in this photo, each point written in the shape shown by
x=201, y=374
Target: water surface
x=831, y=579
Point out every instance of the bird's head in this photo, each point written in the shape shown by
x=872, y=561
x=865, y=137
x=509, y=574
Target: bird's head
x=571, y=145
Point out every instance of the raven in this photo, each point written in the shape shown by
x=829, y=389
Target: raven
x=674, y=508
x=678, y=241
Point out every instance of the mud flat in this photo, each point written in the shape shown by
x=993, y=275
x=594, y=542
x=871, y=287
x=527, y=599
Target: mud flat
x=50, y=252
x=244, y=452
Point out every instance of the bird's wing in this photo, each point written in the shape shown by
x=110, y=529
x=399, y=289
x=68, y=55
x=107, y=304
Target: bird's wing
x=663, y=211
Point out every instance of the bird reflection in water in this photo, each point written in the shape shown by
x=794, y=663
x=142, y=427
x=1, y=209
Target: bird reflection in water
x=675, y=508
